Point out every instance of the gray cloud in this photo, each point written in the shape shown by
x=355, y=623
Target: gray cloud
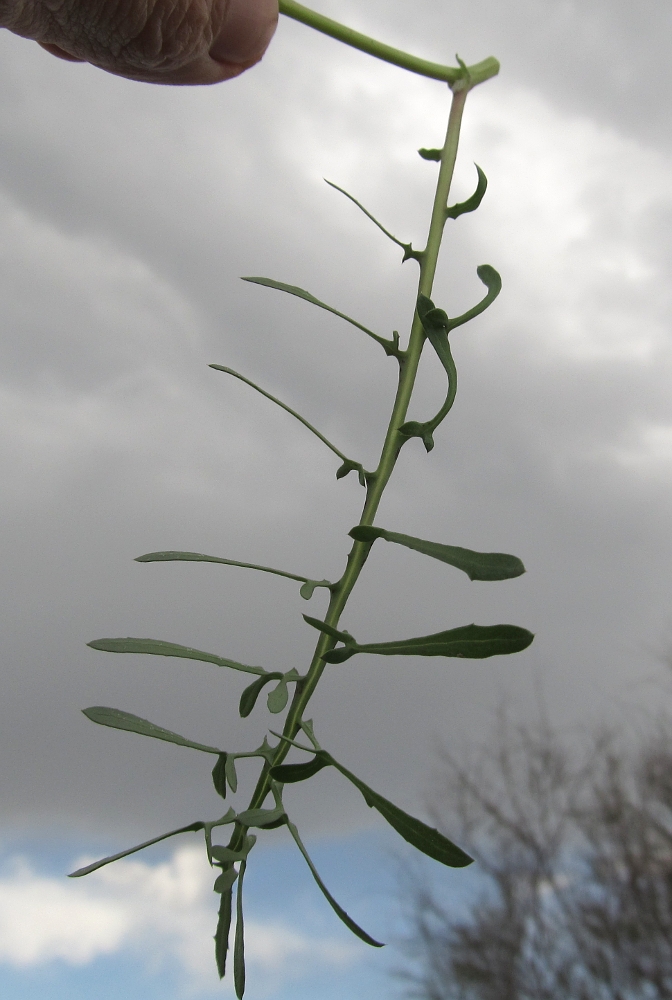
x=128, y=213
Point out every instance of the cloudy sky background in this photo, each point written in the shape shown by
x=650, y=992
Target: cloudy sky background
x=128, y=213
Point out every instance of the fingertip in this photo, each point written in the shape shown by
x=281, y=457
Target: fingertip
x=60, y=53
x=246, y=33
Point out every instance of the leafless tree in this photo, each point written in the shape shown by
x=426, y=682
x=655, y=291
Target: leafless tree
x=574, y=845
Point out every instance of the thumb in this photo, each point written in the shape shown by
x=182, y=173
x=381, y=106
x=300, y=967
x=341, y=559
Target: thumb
x=245, y=32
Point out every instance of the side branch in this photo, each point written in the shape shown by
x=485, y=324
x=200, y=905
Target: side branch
x=355, y=39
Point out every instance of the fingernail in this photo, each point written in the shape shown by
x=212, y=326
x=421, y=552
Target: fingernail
x=247, y=30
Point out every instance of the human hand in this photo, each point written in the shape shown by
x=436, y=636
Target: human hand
x=156, y=41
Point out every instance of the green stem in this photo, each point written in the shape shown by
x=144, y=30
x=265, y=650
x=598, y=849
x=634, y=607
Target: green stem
x=394, y=441
x=356, y=40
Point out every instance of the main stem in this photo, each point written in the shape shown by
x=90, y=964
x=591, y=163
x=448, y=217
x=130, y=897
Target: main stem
x=408, y=367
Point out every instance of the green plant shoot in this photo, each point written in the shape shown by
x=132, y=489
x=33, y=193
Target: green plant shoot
x=290, y=692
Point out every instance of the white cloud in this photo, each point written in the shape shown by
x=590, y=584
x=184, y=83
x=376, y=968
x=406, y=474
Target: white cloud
x=164, y=913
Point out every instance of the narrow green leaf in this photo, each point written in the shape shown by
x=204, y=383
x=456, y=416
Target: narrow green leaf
x=472, y=203
x=219, y=774
x=289, y=773
x=192, y=828
x=477, y=565
x=116, y=719
x=338, y=910
x=301, y=293
x=265, y=819
x=406, y=247
x=224, y=882
x=249, y=696
x=414, y=831
x=230, y=770
x=223, y=931
x=471, y=641
x=156, y=647
x=278, y=697
x=199, y=557
x=239, y=941
x=328, y=629
x=431, y=154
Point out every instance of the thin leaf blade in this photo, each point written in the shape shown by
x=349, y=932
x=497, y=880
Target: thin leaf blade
x=424, y=838
x=477, y=565
x=336, y=907
x=223, y=931
x=116, y=719
x=239, y=940
x=157, y=647
x=191, y=828
x=474, y=642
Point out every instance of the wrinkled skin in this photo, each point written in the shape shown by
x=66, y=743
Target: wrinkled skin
x=156, y=41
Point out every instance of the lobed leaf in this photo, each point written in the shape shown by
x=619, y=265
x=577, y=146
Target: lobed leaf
x=413, y=428
x=278, y=697
x=116, y=719
x=219, y=774
x=477, y=565
x=249, y=696
x=157, y=647
x=230, y=771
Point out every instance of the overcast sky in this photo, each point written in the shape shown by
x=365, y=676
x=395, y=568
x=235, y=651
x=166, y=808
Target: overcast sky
x=128, y=213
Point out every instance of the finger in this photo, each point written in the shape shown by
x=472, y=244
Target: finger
x=60, y=53
x=246, y=32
